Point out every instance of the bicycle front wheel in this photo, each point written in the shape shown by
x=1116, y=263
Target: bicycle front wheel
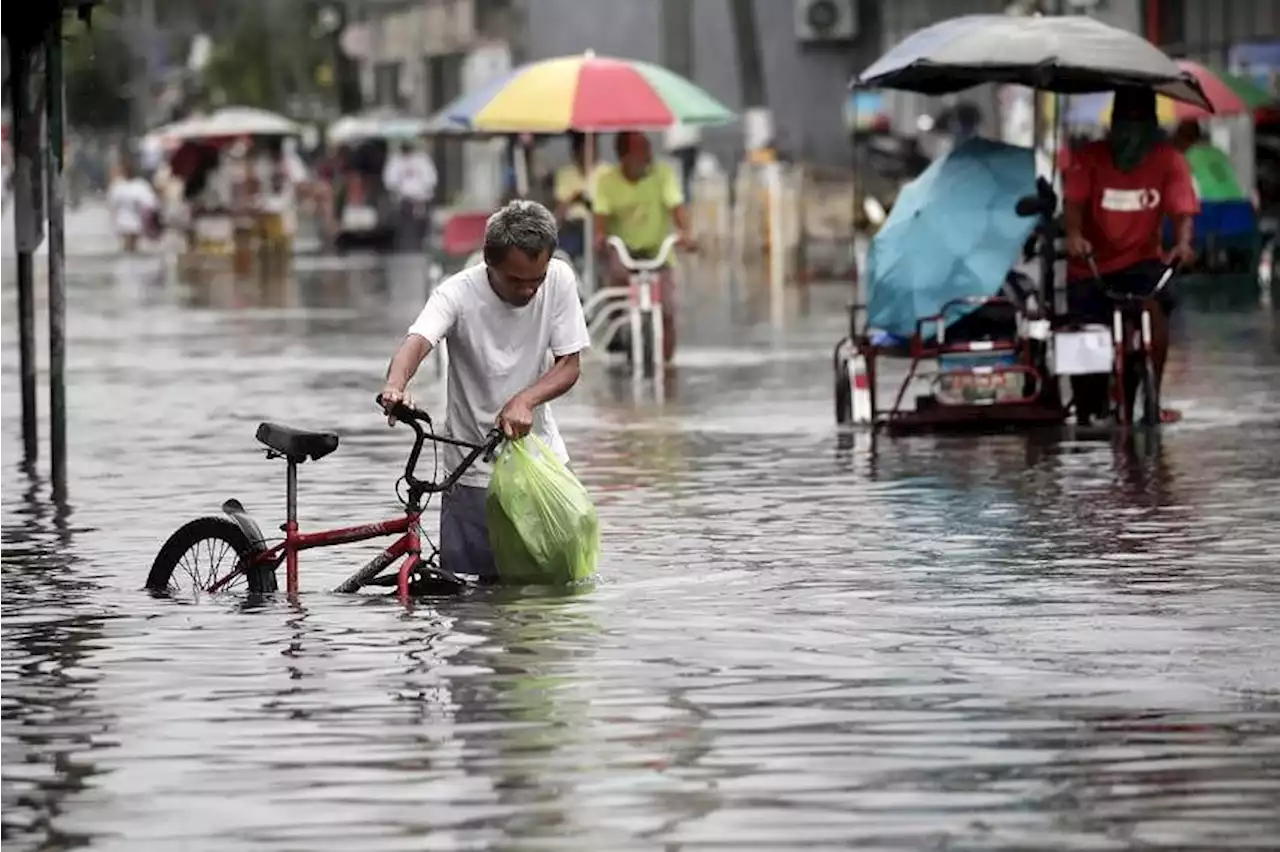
x=205, y=550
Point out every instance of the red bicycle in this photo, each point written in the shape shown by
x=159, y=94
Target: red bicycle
x=255, y=561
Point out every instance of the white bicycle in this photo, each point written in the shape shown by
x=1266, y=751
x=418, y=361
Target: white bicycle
x=629, y=319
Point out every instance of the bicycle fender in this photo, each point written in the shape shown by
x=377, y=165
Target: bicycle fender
x=235, y=510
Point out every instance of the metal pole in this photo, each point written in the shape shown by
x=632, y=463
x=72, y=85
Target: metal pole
x=23, y=199
x=57, y=261
x=589, y=228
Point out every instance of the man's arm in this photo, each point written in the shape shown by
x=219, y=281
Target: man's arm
x=555, y=382
x=516, y=418
x=1073, y=214
x=432, y=324
x=1181, y=204
x=1183, y=230
x=673, y=197
x=405, y=362
x=1076, y=189
x=680, y=215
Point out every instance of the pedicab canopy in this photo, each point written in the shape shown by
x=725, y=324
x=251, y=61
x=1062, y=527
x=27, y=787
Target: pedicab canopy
x=1068, y=54
x=953, y=233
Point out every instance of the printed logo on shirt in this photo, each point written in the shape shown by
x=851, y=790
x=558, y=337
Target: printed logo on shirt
x=1130, y=200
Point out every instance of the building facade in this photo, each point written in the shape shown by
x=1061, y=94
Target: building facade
x=420, y=54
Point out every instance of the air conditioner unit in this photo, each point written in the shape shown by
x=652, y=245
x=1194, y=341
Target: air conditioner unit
x=826, y=20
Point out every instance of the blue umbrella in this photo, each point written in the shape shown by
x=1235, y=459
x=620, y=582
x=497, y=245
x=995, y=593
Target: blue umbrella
x=953, y=232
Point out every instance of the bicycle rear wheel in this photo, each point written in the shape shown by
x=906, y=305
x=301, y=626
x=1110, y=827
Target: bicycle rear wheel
x=213, y=538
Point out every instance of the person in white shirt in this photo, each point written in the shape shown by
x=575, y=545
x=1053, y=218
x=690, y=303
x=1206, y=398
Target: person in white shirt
x=410, y=176
x=505, y=321
x=131, y=200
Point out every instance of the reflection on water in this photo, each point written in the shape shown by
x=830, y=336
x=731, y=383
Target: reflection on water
x=800, y=639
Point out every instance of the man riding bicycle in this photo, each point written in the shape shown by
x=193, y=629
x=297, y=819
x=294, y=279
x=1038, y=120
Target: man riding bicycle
x=638, y=201
x=500, y=318
x=1117, y=193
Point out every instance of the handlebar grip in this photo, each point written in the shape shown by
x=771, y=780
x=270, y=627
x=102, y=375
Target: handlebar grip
x=404, y=412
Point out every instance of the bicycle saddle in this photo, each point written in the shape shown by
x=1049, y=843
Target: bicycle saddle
x=297, y=444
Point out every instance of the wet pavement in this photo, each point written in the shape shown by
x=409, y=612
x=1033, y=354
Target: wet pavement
x=798, y=640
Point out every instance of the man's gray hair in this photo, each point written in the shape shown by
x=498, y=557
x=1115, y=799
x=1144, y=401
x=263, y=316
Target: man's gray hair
x=522, y=224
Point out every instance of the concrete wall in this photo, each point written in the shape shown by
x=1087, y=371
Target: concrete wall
x=806, y=86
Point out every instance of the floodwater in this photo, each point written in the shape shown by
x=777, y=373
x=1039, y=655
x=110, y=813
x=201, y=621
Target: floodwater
x=798, y=641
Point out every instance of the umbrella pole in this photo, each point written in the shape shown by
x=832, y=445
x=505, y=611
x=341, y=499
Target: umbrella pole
x=853, y=220
x=1047, y=289
x=521, y=165
x=589, y=231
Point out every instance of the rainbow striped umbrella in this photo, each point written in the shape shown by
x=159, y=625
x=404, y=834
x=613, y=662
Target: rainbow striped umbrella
x=1227, y=93
x=588, y=93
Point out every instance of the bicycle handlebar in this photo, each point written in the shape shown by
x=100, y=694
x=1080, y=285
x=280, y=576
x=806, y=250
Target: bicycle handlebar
x=415, y=418
x=641, y=265
x=1165, y=277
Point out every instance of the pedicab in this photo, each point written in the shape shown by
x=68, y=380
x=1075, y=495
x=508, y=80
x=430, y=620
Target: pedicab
x=988, y=343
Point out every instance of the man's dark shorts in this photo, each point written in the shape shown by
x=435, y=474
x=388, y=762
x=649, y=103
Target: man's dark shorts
x=464, y=533
x=1087, y=302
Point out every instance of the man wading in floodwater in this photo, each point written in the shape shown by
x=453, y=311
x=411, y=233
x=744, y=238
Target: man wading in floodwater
x=501, y=320
x=1118, y=192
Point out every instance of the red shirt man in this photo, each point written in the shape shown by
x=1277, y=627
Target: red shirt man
x=1123, y=212
x=1117, y=194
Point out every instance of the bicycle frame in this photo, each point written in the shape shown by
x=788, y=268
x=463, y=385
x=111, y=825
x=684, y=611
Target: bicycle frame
x=1124, y=335
x=407, y=547
x=1130, y=324
x=611, y=308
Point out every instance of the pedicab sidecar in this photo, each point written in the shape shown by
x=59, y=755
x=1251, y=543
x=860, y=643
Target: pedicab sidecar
x=943, y=296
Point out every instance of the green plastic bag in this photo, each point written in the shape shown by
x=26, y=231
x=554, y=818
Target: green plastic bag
x=542, y=524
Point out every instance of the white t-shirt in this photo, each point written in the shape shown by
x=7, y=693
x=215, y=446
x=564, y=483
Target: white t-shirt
x=497, y=350
x=130, y=200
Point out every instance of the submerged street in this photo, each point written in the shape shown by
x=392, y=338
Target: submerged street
x=798, y=639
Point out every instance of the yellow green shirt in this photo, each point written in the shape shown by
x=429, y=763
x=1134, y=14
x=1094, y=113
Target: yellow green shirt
x=638, y=213
x=569, y=181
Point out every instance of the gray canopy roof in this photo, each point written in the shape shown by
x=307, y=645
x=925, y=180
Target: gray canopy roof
x=1069, y=54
